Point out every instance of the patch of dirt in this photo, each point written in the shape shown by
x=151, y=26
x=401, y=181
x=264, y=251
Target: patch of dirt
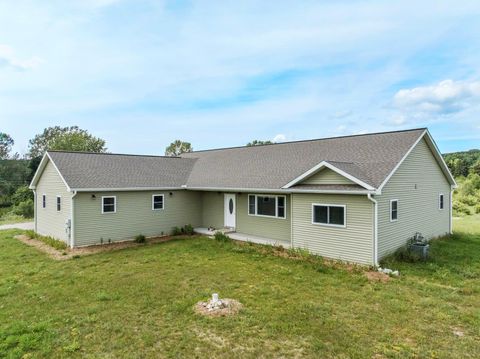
x=232, y=307
x=45, y=248
x=84, y=251
x=374, y=276
x=458, y=332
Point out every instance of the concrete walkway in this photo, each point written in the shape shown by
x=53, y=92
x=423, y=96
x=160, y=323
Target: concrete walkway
x=245, y=237
x=24, y=226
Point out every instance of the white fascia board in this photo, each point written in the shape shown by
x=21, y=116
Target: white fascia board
x=126, y=189
x=36, y=176
x=401, y=161
x=277, y=191
x=41, y=167
x=438, y=155
x=323, y=164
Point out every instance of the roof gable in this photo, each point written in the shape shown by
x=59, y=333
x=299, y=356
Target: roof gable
x=326, y=176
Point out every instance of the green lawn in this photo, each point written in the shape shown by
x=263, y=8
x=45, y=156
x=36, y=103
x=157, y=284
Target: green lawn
x=137, y=303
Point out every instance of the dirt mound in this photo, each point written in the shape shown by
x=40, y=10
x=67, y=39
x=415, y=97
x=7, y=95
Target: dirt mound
x=228, y=307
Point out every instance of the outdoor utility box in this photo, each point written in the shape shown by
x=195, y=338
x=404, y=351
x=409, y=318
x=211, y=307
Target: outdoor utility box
x=420, y=249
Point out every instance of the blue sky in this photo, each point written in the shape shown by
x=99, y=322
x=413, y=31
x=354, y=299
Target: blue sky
x=141, y=74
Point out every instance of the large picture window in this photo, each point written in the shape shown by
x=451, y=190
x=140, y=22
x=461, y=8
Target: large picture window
x=267, y=205
x=109, y=204
x=157, y=202
x=329, y=215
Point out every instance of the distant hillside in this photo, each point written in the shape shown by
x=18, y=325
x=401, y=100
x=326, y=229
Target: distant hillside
x=462, y=163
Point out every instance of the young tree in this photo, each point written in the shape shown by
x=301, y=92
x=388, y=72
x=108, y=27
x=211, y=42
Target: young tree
x=64, y=139
x=6, y=143
x=259, y=143
x=178, y=147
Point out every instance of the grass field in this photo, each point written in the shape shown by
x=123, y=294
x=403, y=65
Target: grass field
x=137, y=303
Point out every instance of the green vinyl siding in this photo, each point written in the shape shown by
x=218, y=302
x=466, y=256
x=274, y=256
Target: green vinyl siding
x=134, y=215
x=268, y=227
x=212, y=209
x=416, y=184
x=327, y=176
x=51, y=222
x=353, y=243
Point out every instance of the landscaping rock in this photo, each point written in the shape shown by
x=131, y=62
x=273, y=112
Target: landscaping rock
x=218, y=307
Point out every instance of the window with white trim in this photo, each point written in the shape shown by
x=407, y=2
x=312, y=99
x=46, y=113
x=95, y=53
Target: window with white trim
x=109, y=204
x=59, y=203
x=393, y=210
x=441, y=201
x=157, y=202
x=329, y=215
x=267, y=205
x=44, y=201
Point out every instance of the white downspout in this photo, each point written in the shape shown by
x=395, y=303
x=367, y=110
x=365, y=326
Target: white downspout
x=451, y=209
x=375, y=230
x=35, y=210
x=72, y=221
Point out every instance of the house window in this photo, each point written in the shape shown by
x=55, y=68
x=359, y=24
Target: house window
x=266, y=205
x=329, y=215
x=44, y=201
x=441, y=203
x=109, y=204
x=157, y=202
x=393, y=210
x=59, y=203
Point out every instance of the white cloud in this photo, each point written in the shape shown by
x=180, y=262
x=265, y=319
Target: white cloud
x=447, y=96
x=279, y=138
x=8, y=58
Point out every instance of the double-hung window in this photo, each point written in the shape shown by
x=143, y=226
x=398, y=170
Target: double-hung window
x=441, y=203
x=59, y=203
x=44, y=201
x=329, y=215
x=157, y=202
x=267, y=205
x=393, y=210
x=109, y=204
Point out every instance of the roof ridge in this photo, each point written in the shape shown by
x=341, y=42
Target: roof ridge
x=113, y=154
x=313, y=139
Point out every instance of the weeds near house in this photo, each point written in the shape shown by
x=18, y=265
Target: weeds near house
x=221, y=237
x=52, y=242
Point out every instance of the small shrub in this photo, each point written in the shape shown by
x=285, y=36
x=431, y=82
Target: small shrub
x=24, y=209
x=140, y=239
x=222, y=237
x=188, y=229
x=176, y=231
x=477, y=209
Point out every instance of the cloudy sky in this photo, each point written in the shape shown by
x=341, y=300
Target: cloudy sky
x=218, y=73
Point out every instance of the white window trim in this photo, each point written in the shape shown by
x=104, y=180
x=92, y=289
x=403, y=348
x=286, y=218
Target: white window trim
x=153, y=202
x=276, y=205
x=114, y=204
x=439, y=196
x=44, y=196
x=56, y=204
x=328, y=224
x=391, y=219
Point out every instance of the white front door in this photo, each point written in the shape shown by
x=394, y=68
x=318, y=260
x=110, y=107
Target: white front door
x=229, y=210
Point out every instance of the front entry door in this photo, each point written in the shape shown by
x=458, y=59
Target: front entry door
x=229, y=210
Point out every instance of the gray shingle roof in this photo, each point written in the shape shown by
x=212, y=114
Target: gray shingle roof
x=91, y=170
x=370, y=158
